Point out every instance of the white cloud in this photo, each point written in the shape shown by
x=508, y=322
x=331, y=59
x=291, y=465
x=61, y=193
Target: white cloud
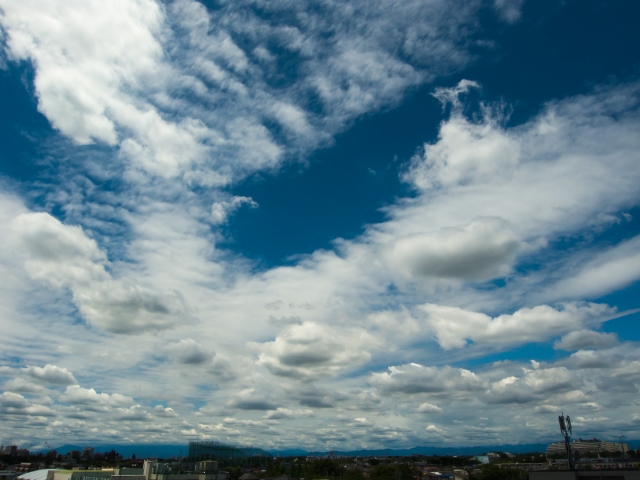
x=192, y=101
x=15, y=404
x=252, y=399
x=220, y=211
x=76, y=395
x=286, y=413
x=509, y=10
x=429, y=408
x=313, y=351
x=134, y=413
x=532, y=386
x=454, y=326
x=161, y=411
x=64, y=257
x=78, y=71
x=51, y=374
x=414, y=379
x=284, y=321
x=584, y=339
x=433, y=428
x=605, y=271
x=20, y=385
x=118, y=73
x=190, y=352
x=484, y=249
x=466, y=153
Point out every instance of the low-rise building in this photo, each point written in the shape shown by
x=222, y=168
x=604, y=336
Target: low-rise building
x=586, y=475
x=529, y=467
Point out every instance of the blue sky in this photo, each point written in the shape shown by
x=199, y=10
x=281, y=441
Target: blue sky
x=325, y=225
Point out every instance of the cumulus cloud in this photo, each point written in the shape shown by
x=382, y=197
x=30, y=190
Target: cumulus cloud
x=252, y=399
x=284, y=321
x=484, y=249
x=454, y=326
x=89, y=398
x=161, y=411
x=585, y=339
x=222, y=370
x=585, y=359
x=414, y=379
x=219, y=428
x=20, y=385
x=465, y=153
x=532, y=386
x=429, y=408
x=51, y=374
x=287, y=413
x=15, y=404
x=63, y=256
x=190, y=352
x=311, y=350
x=134, y=413
x=432, y=428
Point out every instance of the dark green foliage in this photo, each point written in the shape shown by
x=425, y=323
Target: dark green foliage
x=535, y=457
x=275, y=468
x=494, y=472
x=324, y=468
x=352, y=474
x=450, y=461
x=383, y=472
x=392, y=472
x=235, y=472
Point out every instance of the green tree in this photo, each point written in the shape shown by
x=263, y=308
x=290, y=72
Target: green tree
x=494, y=472
x=384, y=472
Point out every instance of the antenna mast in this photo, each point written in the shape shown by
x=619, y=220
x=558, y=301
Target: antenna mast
x=565, y=429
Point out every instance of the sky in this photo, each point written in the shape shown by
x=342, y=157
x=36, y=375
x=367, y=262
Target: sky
x=319, y=224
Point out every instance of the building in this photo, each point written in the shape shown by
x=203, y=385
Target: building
x=226, y=455
x=205, y=470
x=586, y=475
x=9, y=450
x=28, y=466
x=588, y=446
x=36, y=474
x=8, y=474
x=87, y=452
x=529, y=467
x=248, y=476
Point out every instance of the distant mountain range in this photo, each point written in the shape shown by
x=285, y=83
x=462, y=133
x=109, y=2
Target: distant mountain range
x=425, y=450
x=167, y=451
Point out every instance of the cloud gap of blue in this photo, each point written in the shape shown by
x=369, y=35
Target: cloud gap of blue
x=303, y=210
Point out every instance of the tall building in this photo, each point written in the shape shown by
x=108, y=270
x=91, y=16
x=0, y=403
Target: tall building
x=588, y=446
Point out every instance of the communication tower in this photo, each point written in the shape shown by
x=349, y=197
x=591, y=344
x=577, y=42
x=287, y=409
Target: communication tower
x=565, y=429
